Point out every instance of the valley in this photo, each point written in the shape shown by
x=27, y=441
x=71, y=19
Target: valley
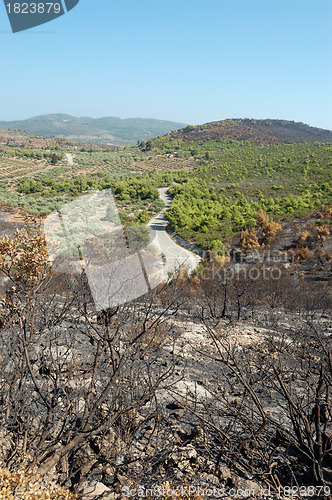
x=217, y=377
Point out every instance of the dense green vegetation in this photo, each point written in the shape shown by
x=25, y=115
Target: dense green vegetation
x=230, y=184
x=135, y=195
x=125, y=188
x=27, y=153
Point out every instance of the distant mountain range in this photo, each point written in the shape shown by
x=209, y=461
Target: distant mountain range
x=112, y=131
x=108, y=130
x=257, y=131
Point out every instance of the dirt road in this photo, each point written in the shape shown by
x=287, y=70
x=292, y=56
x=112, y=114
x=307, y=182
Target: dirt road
x=176, y=256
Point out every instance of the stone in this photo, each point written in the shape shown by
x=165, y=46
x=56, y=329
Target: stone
x=224, y=473
x=110, y=496
x=94, y=491
x=178, y=414
x=121, y=479
x=250, y=485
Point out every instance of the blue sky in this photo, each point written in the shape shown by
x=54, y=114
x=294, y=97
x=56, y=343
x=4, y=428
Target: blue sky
x=191, y=61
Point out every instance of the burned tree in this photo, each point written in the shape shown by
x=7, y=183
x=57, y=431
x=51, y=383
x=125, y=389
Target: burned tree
x=75, y=386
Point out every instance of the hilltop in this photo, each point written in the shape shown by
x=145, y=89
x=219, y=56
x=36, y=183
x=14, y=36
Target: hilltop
x=107, y=130
x=260, y=132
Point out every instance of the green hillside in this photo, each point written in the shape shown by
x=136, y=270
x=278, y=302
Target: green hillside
x=224, y=193
x=240, y=167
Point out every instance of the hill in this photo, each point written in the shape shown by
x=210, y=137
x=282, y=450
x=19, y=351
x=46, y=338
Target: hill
x=13, y=138
x=107, y=130
x=240, y=167
x=260, y=132
x=228, y=186
x=223, y=175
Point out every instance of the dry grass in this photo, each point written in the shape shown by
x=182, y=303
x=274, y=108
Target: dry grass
x=29, y=485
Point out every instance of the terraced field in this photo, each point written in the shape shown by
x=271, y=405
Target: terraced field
x=12, y=169
x=110, y=163
x=37, y=180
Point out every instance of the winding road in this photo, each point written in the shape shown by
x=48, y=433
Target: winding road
x=176, y=256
